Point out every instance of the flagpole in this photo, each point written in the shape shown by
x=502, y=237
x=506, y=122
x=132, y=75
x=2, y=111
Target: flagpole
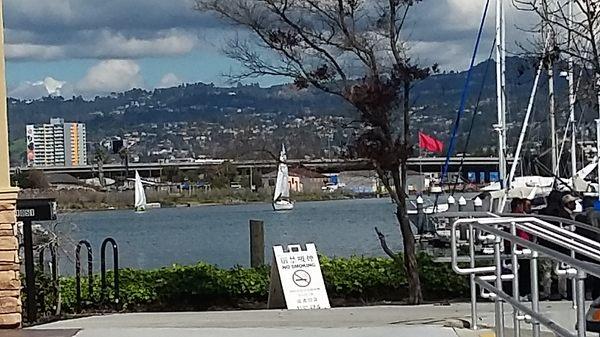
x=420, y=160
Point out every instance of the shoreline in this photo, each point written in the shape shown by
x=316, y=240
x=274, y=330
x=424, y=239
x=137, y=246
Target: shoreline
x=207, y=204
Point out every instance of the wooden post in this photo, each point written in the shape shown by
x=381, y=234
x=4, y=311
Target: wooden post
x=257, y=243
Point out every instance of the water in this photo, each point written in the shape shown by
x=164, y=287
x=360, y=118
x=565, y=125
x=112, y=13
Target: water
x=220, y=234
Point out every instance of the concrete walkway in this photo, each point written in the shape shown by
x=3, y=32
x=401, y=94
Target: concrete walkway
x=405, y=321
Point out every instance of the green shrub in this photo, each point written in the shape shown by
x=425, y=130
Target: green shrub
x=203, y=286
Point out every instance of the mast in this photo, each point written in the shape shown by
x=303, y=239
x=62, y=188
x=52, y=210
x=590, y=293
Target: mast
x=598, y=147
x=551, y=97
x=500, y=92
x=515, y=162
x=551, y=102
x=572, y=98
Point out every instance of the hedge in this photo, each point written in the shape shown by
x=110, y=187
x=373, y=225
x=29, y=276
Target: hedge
x=205, y=287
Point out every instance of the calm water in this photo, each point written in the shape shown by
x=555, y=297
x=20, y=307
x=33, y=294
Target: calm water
x=220, y=234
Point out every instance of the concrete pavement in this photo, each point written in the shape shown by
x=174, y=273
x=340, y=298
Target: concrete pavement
x=405, y=321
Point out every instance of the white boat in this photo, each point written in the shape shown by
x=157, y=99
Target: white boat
x=281, y=197
x=140, y=204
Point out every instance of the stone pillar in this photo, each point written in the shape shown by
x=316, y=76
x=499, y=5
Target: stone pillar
x=10, y=281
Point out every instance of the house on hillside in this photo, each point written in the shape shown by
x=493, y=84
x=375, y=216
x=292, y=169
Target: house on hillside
x=300, y=180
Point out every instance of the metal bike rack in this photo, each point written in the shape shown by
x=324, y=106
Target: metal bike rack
x=104, y=287
x=90, y=259
x=504, y=228
x=53, y=269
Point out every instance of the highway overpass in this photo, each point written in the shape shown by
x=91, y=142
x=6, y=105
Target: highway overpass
x=433, y=164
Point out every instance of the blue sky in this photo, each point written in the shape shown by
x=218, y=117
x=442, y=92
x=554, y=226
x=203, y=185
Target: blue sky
x=95, y=47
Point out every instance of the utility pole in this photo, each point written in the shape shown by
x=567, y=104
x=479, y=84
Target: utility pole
x=10, y=288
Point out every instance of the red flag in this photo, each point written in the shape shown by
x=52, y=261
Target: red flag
x=430, y=144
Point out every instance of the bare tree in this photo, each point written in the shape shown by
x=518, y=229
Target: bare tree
x=353, y=49
x=574, y=26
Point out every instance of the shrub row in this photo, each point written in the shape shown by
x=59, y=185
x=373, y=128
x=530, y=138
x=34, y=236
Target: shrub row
x=205, y=287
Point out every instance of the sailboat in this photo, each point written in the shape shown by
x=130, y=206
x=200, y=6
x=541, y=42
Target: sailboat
x=140, y=195
x=281, y=197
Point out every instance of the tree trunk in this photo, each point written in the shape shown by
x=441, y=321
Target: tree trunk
x=410, y=251
x=415, y=294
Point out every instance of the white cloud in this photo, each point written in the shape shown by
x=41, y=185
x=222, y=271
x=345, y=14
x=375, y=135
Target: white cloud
x=35, y=52
x=169, y=80
x=111, y=76
x=109, y=29
x=46, y=87
x=166, y=43
x=107, y=45
x=101, y=79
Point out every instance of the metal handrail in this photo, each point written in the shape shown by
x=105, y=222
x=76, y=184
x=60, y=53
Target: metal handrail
x=504, y=228
x=568, y=241
x=554, y=234
x=560, y=220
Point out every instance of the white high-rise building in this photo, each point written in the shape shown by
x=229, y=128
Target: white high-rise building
x=56, y=144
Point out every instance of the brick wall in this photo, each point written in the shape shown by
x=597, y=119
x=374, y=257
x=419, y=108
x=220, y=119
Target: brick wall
x=10, y=283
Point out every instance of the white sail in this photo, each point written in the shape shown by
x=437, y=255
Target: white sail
x=140, y=195
x=282, y=187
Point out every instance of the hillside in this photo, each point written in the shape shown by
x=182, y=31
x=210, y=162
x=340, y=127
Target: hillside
x=256, y=109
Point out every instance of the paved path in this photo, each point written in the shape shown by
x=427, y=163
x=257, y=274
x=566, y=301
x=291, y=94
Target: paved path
x=39, y=333
x=405, y=321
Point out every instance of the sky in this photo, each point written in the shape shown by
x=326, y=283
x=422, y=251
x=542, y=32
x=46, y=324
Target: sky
x=96, y=47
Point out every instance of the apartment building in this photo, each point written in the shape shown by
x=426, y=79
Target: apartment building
x=56, y=144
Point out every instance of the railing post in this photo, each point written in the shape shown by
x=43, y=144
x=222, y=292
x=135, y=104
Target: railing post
x=515, y=283
x=462, y=204
x=499, y=302
x=580, y=294
x=477, y=204
x=420, y=215
x=535, y=301
x=472, y=278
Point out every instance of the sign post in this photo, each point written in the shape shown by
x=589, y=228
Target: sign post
x=296, y=279
x=29, y=210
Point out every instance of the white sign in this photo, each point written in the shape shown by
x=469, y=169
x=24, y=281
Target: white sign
x=296, y=277
x=25, y=213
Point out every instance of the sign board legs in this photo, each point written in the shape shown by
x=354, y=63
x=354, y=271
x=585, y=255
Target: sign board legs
x=276, y=297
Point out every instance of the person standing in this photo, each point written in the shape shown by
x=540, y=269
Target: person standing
x=569, y=204
x=554, y=207
x=520, y=206
x=567, y=211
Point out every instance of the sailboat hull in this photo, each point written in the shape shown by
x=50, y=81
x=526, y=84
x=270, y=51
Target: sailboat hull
x=283, y=206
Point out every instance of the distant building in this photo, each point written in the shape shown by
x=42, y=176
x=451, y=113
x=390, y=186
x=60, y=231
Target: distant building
x=56, y=144
x=299, y=179
x=360, y=182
